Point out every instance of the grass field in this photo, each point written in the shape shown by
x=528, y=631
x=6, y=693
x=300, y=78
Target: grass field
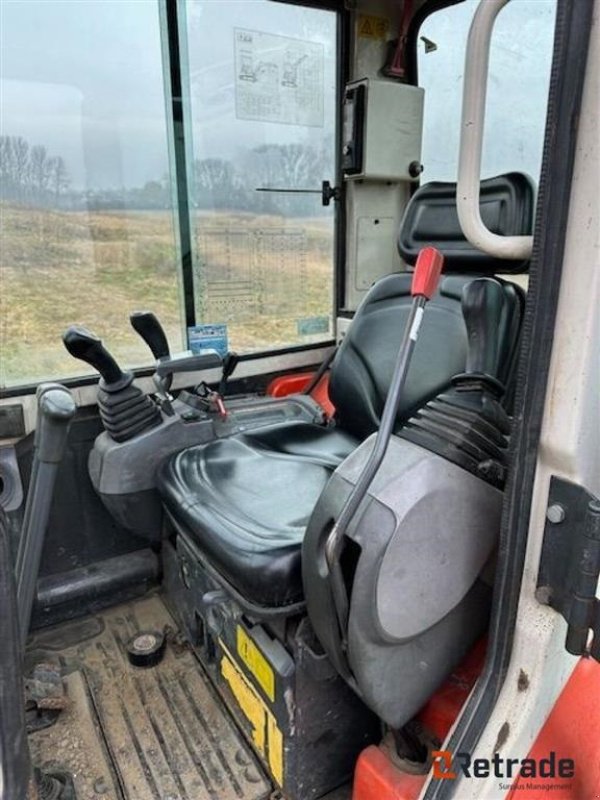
x=258, y=274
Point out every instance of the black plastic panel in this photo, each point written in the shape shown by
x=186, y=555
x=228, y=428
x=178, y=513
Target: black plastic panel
x=12, y=422
x=431, y=218
x=80, y=531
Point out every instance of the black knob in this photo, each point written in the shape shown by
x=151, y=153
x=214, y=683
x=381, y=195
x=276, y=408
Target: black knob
x=482, y=307
x=86, y=346
x=230, y=362
x=151, y=331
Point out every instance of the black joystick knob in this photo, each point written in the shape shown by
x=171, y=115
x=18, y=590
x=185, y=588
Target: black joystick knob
x=86, y=346
x=483, y=302
x=230, y=363
x=149, y=328
x=125, y=410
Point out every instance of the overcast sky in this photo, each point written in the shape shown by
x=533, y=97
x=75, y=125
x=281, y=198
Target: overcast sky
x=520, y=62
x=84, y=78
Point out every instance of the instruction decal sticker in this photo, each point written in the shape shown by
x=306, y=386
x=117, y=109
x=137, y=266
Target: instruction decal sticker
x=278, y=79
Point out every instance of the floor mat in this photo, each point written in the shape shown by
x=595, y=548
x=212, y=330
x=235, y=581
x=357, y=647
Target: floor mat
x=130, y=733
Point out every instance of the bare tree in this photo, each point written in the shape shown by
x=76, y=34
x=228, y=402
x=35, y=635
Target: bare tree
x=59, y=177
x=7, y=167
x=40, y=170
x=20, y=150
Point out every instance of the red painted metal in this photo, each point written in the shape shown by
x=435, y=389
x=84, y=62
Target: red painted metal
x=376, y=777
x=294, y=384
x=572, y=731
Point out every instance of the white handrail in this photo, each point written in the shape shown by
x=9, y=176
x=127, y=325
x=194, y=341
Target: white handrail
x=471, y=140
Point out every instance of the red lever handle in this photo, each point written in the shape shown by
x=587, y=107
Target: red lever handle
x=427, y=272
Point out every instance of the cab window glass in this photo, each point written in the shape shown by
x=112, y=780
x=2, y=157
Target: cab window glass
x=517, y=94
x=88, y=233
x=261, y=106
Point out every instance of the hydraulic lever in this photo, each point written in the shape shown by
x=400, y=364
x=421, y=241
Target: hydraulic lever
x=230, y=363
x=152, y=332
x=424, y=284
x=87, y=347
x=125, y=410
x=146, y=324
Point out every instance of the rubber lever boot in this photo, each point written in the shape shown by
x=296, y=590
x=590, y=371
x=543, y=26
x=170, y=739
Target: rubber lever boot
x=149, y=328
x=467, y=424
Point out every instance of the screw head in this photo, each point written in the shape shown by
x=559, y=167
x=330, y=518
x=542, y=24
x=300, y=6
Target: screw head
x=555, y=514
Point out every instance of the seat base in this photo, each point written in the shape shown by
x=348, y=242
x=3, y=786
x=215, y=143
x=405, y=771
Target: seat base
x=305, y=724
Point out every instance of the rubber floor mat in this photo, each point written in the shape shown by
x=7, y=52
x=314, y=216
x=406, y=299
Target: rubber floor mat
x=132, y=733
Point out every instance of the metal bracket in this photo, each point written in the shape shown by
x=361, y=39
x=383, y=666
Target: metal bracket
x=570, y=563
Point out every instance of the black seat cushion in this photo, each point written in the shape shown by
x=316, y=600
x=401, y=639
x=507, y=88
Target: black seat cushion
x=246, y=501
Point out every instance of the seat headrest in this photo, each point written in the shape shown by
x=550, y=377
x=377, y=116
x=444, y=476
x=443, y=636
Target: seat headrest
x=431, y=218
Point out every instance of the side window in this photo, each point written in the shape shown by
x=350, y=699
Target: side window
x=517, y=94
x=85, y=192
x=261, y=103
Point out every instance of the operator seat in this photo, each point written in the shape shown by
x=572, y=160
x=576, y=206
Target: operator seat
x=245, y=501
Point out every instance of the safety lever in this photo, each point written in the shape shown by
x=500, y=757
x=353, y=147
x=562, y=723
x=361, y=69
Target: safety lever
x=424, y=285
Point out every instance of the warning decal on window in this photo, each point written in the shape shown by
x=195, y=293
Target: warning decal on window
x=278, y=79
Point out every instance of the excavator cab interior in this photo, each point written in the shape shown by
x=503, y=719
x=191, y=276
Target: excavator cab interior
x=271, y=571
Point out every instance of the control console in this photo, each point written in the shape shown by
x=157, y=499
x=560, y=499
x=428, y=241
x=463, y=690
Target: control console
x=142, y=430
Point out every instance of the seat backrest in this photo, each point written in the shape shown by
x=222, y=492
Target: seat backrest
x=362, y=370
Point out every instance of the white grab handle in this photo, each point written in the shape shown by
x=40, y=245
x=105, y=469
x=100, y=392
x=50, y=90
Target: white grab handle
x=471, y=140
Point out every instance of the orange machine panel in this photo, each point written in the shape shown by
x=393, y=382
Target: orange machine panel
x=294, y=384
x=376, y=777
x=572, y=731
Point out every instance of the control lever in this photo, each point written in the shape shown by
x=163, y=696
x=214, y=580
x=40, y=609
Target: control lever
x=56, y=409
x=482, y=302
x=146, y=324
x=211, y=400
x=230, y=363
x=125, y=410
x=149, y=328
x=424, y=284
x=87, y=347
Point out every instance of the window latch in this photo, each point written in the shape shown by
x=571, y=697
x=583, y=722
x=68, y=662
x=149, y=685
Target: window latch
x=327, y=191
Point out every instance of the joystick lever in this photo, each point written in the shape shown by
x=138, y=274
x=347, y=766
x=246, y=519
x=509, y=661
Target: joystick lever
x=87, y=347
x=230, y=363
x=149, y=328
x=125, y=410
x=483, y=303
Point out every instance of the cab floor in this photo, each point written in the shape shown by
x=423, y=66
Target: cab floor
x=127, y=733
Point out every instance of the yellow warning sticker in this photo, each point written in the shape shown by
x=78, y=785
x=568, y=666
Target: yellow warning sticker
x=275, y=739
x=248, y=700
x=370, y=27
x=256, y=663
x=266, y=735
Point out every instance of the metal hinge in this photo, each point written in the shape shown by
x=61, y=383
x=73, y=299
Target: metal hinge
x=570, y=564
